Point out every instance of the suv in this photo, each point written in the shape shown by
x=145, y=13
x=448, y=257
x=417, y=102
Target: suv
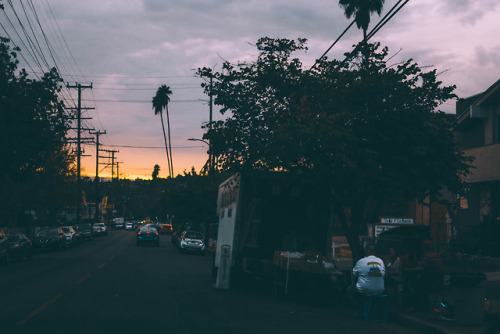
x=4, y=247
x=50, y=238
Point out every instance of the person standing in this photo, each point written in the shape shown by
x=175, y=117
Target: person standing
x=368, y=279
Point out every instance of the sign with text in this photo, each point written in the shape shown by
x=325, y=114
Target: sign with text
x=378, y=229
x=223, y=272
x=396, y=220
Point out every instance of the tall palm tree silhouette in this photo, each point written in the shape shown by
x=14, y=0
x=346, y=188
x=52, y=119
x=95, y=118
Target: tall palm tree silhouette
x=160, y=102
x=362, y=10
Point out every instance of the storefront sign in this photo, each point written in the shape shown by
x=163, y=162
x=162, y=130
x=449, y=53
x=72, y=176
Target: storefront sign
x=378, y=229
x=396, y=220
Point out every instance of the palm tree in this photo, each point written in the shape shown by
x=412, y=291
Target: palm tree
x=362, y=10
x=160, y=102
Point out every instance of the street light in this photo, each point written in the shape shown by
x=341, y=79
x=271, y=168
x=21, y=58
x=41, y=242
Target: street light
x=209, y=162
x=204, y=141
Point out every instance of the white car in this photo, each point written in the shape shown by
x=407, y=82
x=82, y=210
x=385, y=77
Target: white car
x=99, y=229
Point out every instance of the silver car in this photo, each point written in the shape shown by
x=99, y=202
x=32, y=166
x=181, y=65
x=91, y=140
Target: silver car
x=191, y=241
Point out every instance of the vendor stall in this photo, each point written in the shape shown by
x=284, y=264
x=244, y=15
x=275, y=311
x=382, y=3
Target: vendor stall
x=302, y=271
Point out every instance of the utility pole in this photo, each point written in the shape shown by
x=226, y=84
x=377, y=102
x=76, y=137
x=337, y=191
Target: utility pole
x=96, y=179
x=118, y=170
x=80, y=87
x=112, y=164
x=112, y=161
x=210, y=155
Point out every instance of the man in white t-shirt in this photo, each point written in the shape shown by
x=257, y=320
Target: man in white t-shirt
x=368, y=278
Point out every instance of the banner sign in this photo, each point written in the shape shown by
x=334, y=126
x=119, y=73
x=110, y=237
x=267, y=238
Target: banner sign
x=396, y=220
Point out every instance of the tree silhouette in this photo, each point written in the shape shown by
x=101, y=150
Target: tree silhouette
x=160, y=102
x=362, y=10
x=156, y=172
x=370, y=133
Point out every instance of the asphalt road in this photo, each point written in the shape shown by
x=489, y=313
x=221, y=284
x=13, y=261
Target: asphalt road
x=110, y=285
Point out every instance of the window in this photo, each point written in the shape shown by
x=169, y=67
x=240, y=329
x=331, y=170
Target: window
x=497, y=129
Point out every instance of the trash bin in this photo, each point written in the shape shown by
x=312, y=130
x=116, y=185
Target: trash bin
x=468, y=291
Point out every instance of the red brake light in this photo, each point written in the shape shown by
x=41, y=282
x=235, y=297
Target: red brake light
x=138, y=233
x=156, y=233
x=148, y=232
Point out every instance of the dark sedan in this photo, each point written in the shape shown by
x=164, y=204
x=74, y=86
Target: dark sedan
x=148, y=235
x=50, y=238
x=87, y=232
x=20, y=247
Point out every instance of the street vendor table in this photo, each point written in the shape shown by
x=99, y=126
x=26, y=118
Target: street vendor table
x=305, y=269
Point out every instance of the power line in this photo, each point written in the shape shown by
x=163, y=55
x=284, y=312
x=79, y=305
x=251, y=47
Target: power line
x=155, y=147
x=131, y=77
x=144, y=101
x=386, y=18
x=377, y=27
x=149, y=89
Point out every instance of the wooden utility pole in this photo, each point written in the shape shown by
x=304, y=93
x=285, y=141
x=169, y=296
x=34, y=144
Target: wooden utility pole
x=96, y=179
x=80, y=87
x=112, y=161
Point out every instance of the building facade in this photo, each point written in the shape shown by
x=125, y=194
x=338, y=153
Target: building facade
x=477, y=131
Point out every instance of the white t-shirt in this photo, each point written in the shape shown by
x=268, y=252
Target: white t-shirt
x=370, y=273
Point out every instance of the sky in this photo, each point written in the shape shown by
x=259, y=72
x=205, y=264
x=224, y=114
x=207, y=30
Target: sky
x=127, y=48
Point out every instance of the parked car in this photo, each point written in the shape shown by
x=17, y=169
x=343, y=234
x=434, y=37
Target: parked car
x=119, y=224
x=4, y=247
x=70, y=235
x=78, y=234
x=99, y=229
x=129, y=226
x=166, y=228
x=148, y=235
x=87, y=231
x=50, y=238
x=191, y=241
x=20, y=247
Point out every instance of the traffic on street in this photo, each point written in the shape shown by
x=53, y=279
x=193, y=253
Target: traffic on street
x=111, y=285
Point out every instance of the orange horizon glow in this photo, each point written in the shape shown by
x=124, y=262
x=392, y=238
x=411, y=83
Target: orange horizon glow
x=133, y=165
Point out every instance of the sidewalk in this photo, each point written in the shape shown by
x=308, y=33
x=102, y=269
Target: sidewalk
x=432, y=322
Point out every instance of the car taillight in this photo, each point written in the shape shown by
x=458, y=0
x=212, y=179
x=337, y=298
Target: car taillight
x=156, y=233
x=138, y=233
x=148, y=232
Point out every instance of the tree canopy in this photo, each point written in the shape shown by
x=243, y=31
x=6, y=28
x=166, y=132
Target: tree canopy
x=36, y=162
x=370, y=132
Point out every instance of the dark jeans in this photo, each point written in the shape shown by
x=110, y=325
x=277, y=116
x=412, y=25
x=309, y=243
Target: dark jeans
x=356, y=298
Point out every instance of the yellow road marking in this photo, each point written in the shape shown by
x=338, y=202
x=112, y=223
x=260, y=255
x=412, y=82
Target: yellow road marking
x=102, y=265
x=112, y=258
x=38, y=310
x=83, y=279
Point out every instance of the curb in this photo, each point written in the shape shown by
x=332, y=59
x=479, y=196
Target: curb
x=414, y=323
